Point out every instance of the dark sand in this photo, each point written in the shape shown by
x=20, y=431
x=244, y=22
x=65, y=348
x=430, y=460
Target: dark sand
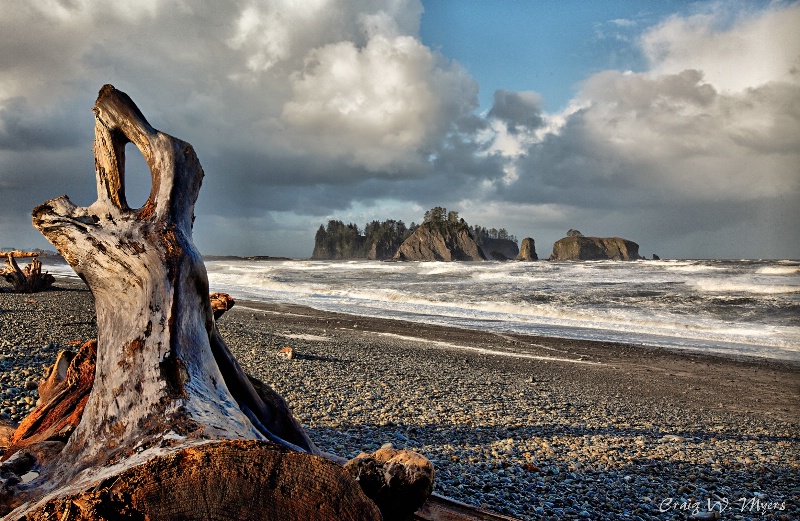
x=540, y=428
x=761, y=387
x=537, y=428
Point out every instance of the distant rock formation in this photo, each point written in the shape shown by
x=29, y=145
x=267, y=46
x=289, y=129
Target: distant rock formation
x=440, y=242
x=379, y=240
x=381, y=252
x=498, y=249
x=527, y=251
x=444, y=236
x=338, y=241
x=382, y=248
x=578, y=247
x=574, y=233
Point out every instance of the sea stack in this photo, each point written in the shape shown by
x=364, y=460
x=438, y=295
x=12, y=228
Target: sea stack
x=432, y=243
x=578, y=247
x=498, y=249
x=527, y=252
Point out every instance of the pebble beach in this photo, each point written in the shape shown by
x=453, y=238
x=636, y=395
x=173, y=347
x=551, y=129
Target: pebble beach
x=530, y=427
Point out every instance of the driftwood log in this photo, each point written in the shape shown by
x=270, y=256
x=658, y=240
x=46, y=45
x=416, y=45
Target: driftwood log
x=27, y=280
x=156, y=419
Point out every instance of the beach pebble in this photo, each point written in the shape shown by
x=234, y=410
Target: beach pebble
x=525, y=438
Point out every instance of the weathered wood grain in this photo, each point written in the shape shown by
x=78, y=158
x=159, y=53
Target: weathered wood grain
x=160, y=385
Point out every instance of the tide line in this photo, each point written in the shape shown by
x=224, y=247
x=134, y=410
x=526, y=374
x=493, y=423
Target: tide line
x=447, y=345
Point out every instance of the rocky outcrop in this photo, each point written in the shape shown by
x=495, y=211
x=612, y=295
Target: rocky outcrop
x=499, y=249
x=379, y=241
x=440, y=243
x=578, y=247
x=338, y=241
x=382, y=250
x=527, y=251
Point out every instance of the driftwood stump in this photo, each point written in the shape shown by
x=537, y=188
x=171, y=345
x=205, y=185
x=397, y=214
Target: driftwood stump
x=27, y=280
x=156, y=419
x=399, y=481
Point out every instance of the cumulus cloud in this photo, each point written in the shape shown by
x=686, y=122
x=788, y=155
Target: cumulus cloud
x=712, y=128
x=677, y=133
x=735, y=51
x=303, y=111
x=287, y=103
x=383, y=105
x=324, y=77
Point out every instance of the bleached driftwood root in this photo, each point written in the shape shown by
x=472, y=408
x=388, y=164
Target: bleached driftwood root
x=156, y=419
x=27, y=280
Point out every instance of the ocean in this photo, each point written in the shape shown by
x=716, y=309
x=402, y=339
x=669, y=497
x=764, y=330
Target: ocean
x=733, y=307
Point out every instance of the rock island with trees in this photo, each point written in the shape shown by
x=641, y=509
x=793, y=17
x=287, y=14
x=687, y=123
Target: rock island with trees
x=442, y=236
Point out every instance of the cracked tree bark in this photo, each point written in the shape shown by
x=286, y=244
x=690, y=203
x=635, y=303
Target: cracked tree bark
x=169, y=410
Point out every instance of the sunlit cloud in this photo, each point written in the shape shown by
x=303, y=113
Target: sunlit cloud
x=306, y=111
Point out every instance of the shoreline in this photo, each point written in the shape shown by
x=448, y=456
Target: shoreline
x=652, y=366
x=630, y=435
x=572, y=429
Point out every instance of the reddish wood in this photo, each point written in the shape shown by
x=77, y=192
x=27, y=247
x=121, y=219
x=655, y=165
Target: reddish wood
x=19, y=254
x=242, y=480
x=441, y=508
x=61, y=407
x=220, y=303
x=6, y=432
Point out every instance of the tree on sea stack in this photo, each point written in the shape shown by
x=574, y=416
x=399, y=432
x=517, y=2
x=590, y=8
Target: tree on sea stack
x=156, y=419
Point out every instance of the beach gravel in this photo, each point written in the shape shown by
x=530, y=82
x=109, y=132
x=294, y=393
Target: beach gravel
x=33, y=330
x=570, y=430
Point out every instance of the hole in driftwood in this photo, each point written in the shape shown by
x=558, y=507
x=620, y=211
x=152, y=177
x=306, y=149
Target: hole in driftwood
x=138, y=181
x=29, y=476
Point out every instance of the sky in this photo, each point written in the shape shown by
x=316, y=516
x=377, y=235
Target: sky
x=670, y=123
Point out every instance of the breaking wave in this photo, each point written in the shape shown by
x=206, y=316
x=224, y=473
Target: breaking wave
x=735, y=307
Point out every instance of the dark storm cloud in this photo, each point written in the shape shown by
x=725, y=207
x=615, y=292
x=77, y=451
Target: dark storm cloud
x=301, y=112
x=23, y=127
x=517, y=110
x=28, y=179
